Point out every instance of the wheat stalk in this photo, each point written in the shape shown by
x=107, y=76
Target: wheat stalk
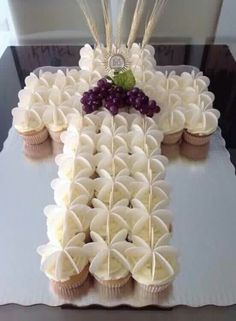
x=119, y=27
x=90, y=20
x=107, y=22
x=153, y=19
x=138, y=12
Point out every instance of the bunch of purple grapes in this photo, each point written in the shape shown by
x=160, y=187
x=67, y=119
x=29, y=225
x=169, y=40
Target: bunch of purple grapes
x=141, y=102
x=114, y=97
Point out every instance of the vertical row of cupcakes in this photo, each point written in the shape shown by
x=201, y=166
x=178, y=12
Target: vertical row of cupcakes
x=64, y=259
x=109, y=228
x=152, y=259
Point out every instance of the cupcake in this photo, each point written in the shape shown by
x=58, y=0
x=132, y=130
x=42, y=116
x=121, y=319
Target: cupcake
x=113, y=141
x=142, y=228
x=113, y=163
x=187, y=79
x=153, y=265
x=119, y=185
x=55, y=116
x=65, y=264
x=166, y=84
x=171, y=120
x=190, y=93
x=39, y=151
x=92, y=60
x=88, y=122
x=136, y=213
x=107, y=263
x=109, y=221
x=64, y=223
x=194, y=152
x=33, y=95
x=145, y=138
x=72, y=167
x=151, y=197
x=78, y=141
x=145, y=168
x=29, y=125
x=67, y=192
x=201, y=123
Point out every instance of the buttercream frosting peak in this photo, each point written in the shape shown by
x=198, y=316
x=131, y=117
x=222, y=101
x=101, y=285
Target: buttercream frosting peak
x=59, y=262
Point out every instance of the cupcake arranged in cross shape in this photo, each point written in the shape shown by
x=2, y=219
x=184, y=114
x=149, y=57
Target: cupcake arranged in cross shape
x=107, y=263
x=153, y=263
x=65, y=263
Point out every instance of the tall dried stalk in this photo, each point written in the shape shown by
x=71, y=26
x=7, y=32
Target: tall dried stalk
x=135, y=22
x=90, y=20
x=107, y=22
x=153, y=19
x=119, y=28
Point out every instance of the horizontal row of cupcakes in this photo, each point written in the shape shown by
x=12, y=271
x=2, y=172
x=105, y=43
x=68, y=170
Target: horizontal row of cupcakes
x=49, y=100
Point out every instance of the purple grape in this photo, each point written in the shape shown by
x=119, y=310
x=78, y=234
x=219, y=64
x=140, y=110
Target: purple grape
x=87, y=109
x=143, y=110
x=149, y=113
x=135, y=90
x=96, y=90
x=83, y=100
x=115, y=101
x=113, y=109
x=102, y=82
x=138, y=102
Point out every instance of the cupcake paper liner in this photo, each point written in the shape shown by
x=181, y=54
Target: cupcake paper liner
x=111, y=293
x=114, y=283
x=170, y=151
x=56, y=136
x=196, y=140
x=171, y=139
x=39, y=151
x=36, y=137
x=73, y=293
x=194, y=152
x=152, y=288
x=57, y=148
x=74, y=282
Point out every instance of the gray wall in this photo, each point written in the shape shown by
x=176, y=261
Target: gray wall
x=56, y=21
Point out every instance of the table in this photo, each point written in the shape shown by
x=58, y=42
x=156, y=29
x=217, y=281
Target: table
x=215, y=61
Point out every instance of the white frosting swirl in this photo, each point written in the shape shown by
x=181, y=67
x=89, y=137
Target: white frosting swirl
x=136, y=213
x=61, y=262
x=202, y=120
x=109, y=221
x=92, y=59
x=145, y=169
x=152, y=263
x=110, y=189
x=73, y=167
x=67, y=192
x=55, y=116
x=147, y=139
x=107, y=260
x=78, y=141
x=142, y=228
x=113, y=163
x=151, y=197
x=27, y=120
x=187, y=79
x=63, y=224
x=172, y=119
x=113, y=142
